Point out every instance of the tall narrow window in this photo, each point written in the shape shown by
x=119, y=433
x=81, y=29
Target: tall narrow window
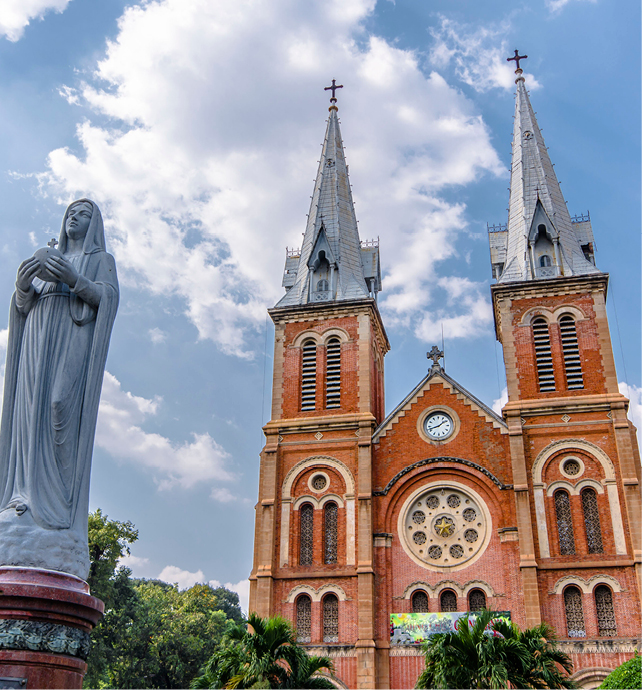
x=544, y=260
x=304, y=619
x=574, y=613
x=543, y=356
x=306, y=535
x=420, y=602
x=309, y=376
x=592, y=521
x=448, y=601
x=564, y=523
x=330, y=515
x=605, y=613
x=476, y=600
x=572, y=364
x=330, y=618
x=333, y=374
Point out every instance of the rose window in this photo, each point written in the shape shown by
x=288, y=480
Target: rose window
x=445, y=527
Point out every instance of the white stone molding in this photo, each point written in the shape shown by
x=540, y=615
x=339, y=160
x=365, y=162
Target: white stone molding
x=540, y=515
x=331, y=498
x=593, y=483
x=316, y=474
x=591, y=677
x=418, y=585
x=479, y=584
x=335, y=332
x=572, y=444
x=318, y=503
x=560, y=484
x=307, y=335
x=434, y=591
x=579, y=461
x=552, y=316
x=571, y=310
x=616, y=517
x=348, y=497
x=316, y=594
x=587, y=586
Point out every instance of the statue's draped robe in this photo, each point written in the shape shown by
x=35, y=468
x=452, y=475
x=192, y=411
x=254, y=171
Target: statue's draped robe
x=53, y=377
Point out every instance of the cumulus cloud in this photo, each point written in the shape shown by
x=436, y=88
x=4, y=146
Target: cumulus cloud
x=556, y=5
x=118, y=431
x=183, y=578
x=242, y=588
x=156, y=335
x=133, y=561
x=15, y=15
x=634, y=394
x=498, y=403
x=478, y=54
x=207, y=160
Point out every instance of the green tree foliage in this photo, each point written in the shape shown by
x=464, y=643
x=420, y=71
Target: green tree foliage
x=628, y=675
x=265, y=656
x=491, y=653
x=152, y=634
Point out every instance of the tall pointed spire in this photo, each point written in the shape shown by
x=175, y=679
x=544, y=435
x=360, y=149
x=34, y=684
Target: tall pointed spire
x=541, y=241
x=332, y=265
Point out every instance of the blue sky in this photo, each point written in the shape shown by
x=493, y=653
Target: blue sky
x=196, y=127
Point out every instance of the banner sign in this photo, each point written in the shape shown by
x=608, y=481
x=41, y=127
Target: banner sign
x=415, y=628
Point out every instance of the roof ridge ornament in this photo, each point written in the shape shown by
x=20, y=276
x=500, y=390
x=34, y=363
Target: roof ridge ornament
x=435, y=354
x=516, y=58
x=333, y=88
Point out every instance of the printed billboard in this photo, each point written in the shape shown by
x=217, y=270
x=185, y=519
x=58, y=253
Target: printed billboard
x=415, y=628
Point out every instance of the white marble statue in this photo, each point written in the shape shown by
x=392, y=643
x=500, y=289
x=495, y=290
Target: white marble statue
x=61, y=318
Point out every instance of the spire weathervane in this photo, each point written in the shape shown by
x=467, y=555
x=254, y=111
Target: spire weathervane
x=333, y=88
x=517, y=58
x=435, y=354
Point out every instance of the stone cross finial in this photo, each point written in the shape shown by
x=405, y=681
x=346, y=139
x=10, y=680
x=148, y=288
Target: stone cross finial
x=52, y=243
x=517, y=58
x=333, y=88
x=435, y=354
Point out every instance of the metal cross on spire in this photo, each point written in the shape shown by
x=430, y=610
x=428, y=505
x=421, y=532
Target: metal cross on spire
x=435, y=354
x=333, y=88
x=517, y=58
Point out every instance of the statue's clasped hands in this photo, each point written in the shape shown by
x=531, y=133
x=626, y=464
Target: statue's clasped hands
x=57, y=266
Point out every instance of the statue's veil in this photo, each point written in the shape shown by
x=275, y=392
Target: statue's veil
x=95, y=237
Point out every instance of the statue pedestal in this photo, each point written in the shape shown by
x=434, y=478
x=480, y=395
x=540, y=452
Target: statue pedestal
x=45, y=621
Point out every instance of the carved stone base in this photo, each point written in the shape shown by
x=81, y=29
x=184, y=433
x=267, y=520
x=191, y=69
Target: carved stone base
x=45, y=621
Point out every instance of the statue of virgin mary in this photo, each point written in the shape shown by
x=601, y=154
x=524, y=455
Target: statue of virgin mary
x=60, y=323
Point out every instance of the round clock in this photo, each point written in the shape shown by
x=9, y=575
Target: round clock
x=438, y=426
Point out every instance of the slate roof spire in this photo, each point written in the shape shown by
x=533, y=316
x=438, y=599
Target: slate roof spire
x=541, y=240
x=332, y=265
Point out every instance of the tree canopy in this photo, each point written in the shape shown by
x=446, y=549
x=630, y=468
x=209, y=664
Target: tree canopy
x=628, y=675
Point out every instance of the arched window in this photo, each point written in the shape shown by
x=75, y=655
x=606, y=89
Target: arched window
x=420, y=602
x=330, y=515
x=476, y=600
x=574, y=612
x=448, y=601
x=543, y=357
x=306, y=534
x=333, y=374
x=572, y=363
x=322, y=286
x=605, y=613
x=544, y=260
x=564, y=523
x=303, y=618
x=330, y=618
x=592, y=521
x=309, y=376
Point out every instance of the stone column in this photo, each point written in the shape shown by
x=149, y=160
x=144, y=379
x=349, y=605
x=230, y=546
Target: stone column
x=45, y=621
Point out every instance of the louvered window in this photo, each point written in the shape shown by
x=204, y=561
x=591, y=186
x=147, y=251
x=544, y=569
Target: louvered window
x=333, y=374
x=448, y=601
x=304, y=619
x=330, y=618
x=476, y=600
x=605, y=613
x=330, y=515
x=309, y=376
x=564, y=523
x=306, y=536
x=574, y=612
x=572, y=364
x=592, y=521
x=420, y=602
x=543, y=356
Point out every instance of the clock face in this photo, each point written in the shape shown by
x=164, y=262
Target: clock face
x=438, y=425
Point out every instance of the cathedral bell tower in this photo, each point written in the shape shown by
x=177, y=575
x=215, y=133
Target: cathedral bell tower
x=313, y=553
x=575, y=459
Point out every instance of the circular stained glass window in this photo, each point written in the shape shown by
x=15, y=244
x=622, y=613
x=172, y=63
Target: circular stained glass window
x=319, y=482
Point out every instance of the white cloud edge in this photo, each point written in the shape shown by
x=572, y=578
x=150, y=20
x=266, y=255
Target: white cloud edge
x=16, y=15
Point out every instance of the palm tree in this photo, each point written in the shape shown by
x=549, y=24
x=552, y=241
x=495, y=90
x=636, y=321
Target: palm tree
x=268, y=656
x=490, y=652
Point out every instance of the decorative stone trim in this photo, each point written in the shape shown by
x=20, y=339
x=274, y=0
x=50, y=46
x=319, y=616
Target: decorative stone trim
x=316, y=502
x=565, y=459
x=339, y=651
x=434, y=591
x=405, y=650
x=36, y=636
x=601, y=646
x=587, y=586
x=312, y=462
x=572, y=444
x=316, y=594
x=430, y=461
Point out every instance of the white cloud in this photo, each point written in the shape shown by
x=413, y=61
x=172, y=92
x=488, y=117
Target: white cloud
x=133, y=561
x=204, y=172
x=556, y=5
x=479, y=54
x=634, y=394
x=119, y=433
x=15, y=15
x=156, y=335
x=242, y=588
x=183, y=578
x=498, y=403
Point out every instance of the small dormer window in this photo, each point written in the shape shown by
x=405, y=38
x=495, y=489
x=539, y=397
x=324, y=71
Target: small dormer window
x=544, y=260
x=322, y=286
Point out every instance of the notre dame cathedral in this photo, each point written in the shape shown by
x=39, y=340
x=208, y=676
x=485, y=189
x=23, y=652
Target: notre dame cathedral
x=441, y=506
